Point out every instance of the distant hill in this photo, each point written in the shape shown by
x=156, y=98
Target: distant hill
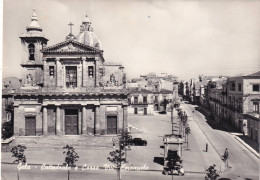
x=11, y=83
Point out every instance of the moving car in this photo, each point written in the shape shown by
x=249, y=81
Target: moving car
x=137, y=142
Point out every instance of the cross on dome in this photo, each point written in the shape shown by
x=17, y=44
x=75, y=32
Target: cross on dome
x=70, y=36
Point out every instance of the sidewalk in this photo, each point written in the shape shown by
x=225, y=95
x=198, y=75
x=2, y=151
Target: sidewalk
x=206, y=159
x=244, y=140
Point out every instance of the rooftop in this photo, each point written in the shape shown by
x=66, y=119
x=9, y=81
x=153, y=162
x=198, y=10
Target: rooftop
x=253, y=74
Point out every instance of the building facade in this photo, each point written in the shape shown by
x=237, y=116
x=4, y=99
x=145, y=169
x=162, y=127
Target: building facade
x=235, y=101
x=243, y=98
x=68, y=88
x=141, y=102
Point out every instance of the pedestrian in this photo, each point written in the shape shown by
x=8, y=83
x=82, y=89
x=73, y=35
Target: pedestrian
x=206, y=147
x=226, y=154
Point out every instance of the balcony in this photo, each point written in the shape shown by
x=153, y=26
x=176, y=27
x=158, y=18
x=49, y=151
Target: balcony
x=140, y=102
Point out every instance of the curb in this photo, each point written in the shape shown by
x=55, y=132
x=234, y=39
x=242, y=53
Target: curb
x=247, y=146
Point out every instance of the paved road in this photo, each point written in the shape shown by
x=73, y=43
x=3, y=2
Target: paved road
x=244, y=164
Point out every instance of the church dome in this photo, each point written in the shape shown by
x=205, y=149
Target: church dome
x=87, y=36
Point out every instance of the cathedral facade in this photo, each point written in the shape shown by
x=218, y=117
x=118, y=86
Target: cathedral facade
x=68, y=88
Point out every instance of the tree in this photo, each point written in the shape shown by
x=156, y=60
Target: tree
x=171, y=165
x=173, y=161
x=187, y=132
x=164, y=103
x=184, y=121
x=71, y=157
x=211, y=173
x=125, y=137
x=18, y=153
x=117, y=157
x=7, y=130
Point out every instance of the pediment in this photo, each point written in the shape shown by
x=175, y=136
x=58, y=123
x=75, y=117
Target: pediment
x=71, y=46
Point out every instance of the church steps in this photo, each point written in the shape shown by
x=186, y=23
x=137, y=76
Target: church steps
x=61, y=141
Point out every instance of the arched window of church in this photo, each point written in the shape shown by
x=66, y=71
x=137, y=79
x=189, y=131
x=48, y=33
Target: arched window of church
x=31, y=51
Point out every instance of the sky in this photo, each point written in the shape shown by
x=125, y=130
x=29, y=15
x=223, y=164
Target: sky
x=183, y=38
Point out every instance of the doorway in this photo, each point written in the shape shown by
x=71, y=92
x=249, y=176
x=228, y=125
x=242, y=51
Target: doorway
x=111, y=124
x=71, y=121
x=30, y=126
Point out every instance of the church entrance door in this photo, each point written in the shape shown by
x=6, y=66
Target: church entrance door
x=111, y=124
x=71, y=121
x=30, y=126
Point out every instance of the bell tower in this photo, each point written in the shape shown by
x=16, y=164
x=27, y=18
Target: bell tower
x=33, y=41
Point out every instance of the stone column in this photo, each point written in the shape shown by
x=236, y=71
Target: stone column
x=84, y=120
x=45, y=72
x=45, y=121
x=16, y=121
x=96, y=72
x=62, y=121
x=84, y=72
x=79, y=121
x=97, y=120
x=125, y=120
x=58, y=121
x=79, y=76
x=58, y=75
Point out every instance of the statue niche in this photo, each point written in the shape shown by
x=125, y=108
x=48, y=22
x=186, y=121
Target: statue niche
x=29, y=81
x=112, y=79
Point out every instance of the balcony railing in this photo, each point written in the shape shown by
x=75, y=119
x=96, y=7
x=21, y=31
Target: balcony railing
x=140, y=102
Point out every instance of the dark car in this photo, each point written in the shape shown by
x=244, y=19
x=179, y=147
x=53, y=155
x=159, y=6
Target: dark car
x=162, y=112
x=137, y=142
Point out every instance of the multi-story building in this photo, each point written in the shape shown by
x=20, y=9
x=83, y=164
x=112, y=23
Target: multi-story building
x=141, y=102
x=197, y=89
x=243, y=98
x=68, y=88
x=162, y=98
x=160, y=90
x=216, y=98
x=236, y=101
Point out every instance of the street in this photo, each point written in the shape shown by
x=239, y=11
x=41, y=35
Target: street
x=244, y=164
x=152, y=129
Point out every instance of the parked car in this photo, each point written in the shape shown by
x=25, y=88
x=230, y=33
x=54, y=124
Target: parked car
x=162, y=112
x=137, y=142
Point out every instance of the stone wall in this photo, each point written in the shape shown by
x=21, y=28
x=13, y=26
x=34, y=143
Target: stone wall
x=24, y=110
x=116, y=71
x=253, y=128
x=248, y=103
